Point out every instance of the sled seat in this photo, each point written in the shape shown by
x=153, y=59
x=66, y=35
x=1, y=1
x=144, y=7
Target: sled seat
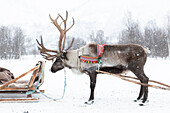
x=22, y=86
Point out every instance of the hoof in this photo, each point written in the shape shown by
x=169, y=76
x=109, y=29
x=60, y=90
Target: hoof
x=89, y=102
x=144, y=103
x=136, y=101
x=140, y=100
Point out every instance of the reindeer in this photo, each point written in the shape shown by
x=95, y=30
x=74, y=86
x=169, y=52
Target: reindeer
x=115, y=59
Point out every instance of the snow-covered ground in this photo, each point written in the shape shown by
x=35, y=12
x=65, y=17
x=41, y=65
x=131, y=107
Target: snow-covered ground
x=112, y=95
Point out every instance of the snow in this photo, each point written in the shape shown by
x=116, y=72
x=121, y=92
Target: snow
x=111, y=94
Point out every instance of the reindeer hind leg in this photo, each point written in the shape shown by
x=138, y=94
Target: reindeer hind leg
x=140, y=94
x=144, y=79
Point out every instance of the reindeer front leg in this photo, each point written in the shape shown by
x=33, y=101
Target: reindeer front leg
x=93, y=75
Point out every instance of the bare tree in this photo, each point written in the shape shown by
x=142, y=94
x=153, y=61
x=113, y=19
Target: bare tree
x=99, y=37
x=78, y=42
x=168, y=34
x=5, y=42
x=132, y=33
x=153, y=37
x=18, y=43
x=156, y=40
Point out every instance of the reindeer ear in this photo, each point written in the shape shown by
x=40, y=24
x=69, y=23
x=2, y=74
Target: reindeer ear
x=64, y=55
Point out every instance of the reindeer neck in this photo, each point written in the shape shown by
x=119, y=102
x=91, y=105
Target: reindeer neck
x=73, y=59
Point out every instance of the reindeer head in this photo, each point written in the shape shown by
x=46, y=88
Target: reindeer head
x=61, y=54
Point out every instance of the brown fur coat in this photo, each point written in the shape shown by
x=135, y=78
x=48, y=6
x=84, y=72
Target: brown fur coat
x=5, y=75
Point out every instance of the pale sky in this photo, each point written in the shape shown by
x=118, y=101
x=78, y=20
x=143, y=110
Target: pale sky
x=33, y=15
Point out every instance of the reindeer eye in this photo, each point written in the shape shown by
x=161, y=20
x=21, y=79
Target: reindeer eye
x=64, y=55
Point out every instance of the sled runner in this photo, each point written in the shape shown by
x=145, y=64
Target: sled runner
x=27, y=87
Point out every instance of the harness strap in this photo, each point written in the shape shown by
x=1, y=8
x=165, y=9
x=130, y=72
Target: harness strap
x=100, y=63
x=93, y=60
x=100, y=49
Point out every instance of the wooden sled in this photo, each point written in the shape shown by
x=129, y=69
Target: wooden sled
x=22, y=87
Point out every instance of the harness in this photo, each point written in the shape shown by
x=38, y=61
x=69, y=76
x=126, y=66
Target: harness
x=94, y=60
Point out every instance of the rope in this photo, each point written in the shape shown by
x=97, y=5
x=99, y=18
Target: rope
x=36, y=88
x=55, y=99
x=149, y=85
x=99, y=64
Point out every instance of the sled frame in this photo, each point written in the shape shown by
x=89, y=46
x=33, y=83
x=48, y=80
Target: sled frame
x=28, y=86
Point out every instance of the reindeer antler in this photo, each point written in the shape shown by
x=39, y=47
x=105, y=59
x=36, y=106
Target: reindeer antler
x=46, y=53
x=62, y=31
